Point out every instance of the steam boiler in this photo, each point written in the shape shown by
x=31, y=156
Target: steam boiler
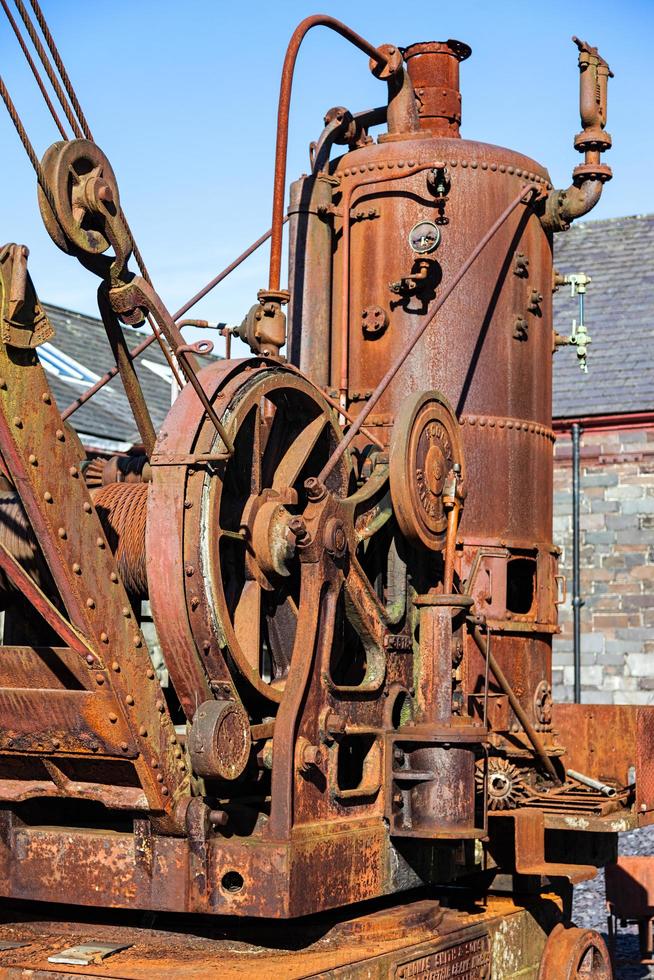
x=353, y=766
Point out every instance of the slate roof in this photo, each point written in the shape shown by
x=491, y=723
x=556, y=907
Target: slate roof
x=618, y=254
x=106, y=417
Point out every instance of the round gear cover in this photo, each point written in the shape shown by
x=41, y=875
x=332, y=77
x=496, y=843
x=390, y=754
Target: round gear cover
x=425, y=446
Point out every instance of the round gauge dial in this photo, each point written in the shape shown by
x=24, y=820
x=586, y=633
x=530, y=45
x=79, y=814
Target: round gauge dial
x=424, y=237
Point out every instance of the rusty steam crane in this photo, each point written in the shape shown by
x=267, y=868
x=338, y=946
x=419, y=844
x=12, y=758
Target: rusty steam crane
x=346, y=542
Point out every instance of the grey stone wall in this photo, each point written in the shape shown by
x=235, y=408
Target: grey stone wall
x=617, y=562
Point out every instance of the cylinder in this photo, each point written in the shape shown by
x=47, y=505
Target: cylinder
x=310, y=275
x=434, y=72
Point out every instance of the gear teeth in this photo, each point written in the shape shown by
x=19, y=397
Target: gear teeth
x=505, y=783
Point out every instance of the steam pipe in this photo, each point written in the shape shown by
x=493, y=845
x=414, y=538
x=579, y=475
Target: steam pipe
x=565, y=206
x=385, y=62
x=577, y=601
x=343, y=128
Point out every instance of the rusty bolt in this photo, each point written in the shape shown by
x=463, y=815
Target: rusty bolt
x=218, y=818
x=312, y=755
x=298, y=529
x=315, y=489
x=335, y=538
x=189, y=570
x=113, y=718
x=308, y=755
x=47, y=496
x=32, y=459
x=87, y=507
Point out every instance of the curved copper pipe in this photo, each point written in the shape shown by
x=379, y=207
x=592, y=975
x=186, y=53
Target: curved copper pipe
x=281, y=148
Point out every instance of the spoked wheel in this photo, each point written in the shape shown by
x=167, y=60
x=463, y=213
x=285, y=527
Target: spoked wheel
x=283, y=433
x=574, y=954
x=240, y=522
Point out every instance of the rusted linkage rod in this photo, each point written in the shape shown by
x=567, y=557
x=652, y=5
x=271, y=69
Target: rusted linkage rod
x=112, y=372
x=283, y=112
x=529, y=189
x=518, y=710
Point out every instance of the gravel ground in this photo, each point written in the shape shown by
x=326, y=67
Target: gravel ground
x=589, y=910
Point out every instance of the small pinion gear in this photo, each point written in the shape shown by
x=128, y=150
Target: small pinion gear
x=505, y=784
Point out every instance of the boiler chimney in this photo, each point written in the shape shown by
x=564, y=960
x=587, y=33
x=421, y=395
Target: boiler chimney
x=433, y=68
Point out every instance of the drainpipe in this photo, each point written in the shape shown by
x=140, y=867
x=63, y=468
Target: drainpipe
x=577, y=601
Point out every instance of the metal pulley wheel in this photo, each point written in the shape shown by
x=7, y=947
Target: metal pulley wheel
x=84, y=191
x=425, y=448
x=239, y=519
x=571, y=954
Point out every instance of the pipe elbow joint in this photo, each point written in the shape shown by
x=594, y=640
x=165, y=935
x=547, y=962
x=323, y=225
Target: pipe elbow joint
x=562, y=207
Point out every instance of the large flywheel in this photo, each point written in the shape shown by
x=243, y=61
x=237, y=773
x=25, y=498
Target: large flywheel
x=237, y=521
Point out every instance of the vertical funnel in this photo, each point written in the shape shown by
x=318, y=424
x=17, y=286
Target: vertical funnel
x=433, y=68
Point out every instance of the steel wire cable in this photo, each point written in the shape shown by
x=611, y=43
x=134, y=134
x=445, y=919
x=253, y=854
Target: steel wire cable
x=29, y=149
x=35, y=71
x=71, y=108
x=45, y=61
x=122, y=509
x=63, y=74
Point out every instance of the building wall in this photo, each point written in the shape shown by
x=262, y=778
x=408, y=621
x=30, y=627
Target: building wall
x=617, y=566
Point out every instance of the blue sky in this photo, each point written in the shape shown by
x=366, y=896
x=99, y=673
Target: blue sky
x=183, y=99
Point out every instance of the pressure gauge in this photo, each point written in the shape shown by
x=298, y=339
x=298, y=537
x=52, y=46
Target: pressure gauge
x=424, y=237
